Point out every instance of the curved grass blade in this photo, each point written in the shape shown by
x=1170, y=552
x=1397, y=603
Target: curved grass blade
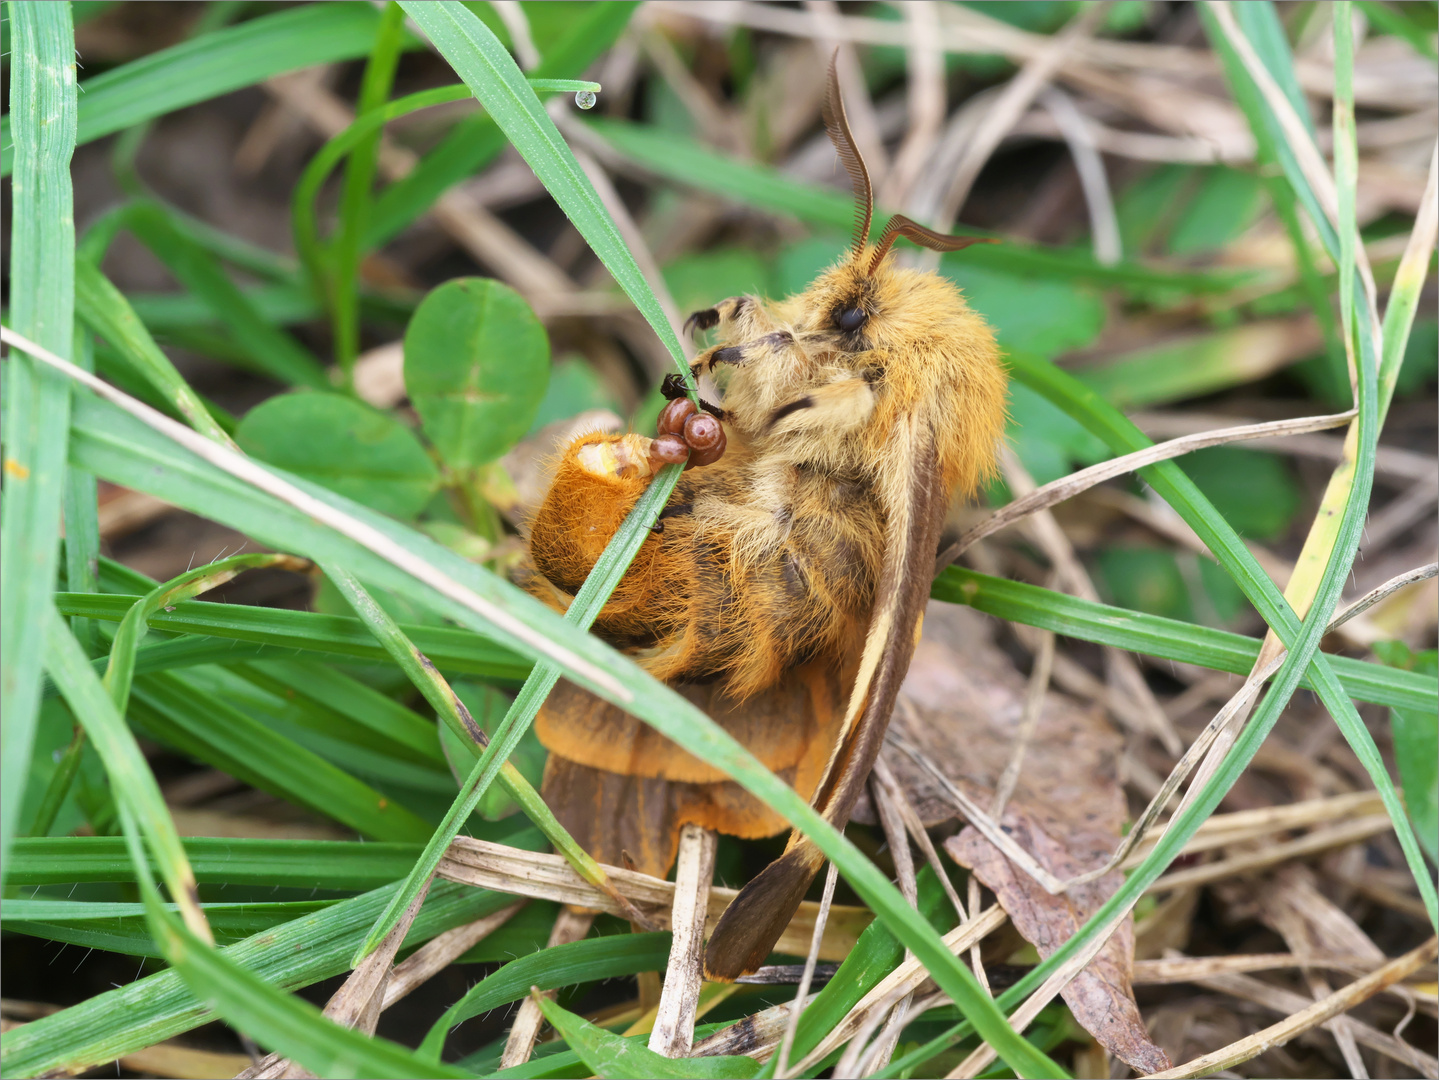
x=37, y=403
x=611, y=1055
x=132, y=782
x=579, y=961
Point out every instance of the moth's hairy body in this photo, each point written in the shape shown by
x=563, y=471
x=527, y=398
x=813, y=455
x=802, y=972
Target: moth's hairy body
x=784, y=588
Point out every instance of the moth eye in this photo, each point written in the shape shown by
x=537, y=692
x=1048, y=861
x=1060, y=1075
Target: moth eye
x=850, y=319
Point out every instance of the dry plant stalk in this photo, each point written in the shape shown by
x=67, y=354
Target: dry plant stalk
x=569, y=926
x=549, y=877
x=1335, y=1004
x=802, y=994
x=673, y=1032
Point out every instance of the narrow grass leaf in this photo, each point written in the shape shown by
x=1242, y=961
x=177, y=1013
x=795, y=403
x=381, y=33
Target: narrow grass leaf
x=290, y=956
x=106, y=311
x=37, y=402
x=591, y=959
x=611, y=1055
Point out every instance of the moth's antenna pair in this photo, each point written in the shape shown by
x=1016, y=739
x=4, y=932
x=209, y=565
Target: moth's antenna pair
x=837, y=125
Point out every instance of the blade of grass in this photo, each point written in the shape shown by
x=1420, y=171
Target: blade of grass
x=271, y=348
x=463, y=652
x=459, y=651
x=82, y=520
x=37, y=403
x=290, y=956
x=301, y=864
x=475, y=140
x=106, y=311
x=452, y=712
x=136, y=791
x=611, y=1055
x=1154, y=635
x=302, y=200
x=355, y=194
x=215, y=64
x=580, y=961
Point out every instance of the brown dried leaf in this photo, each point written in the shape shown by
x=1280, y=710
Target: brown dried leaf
x=1101, y=996
x=1066, y=810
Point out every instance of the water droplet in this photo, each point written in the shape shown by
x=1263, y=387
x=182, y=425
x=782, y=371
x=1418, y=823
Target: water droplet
x=585, y=99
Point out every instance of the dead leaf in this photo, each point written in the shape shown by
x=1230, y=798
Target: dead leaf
x=1067, y=808
x=1101, y=996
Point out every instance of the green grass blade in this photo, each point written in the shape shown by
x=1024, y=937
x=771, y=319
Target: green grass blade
x=300, y=864
x=303, y=215
x=489, y=71
x=215, y=64
x=475, y=141
x=288, y=1025
x=453, y=650
x=584, y=609
x=291, y=956
x=580, y=961
x=177, y=712
x=274, y=351
x=106, y=311
x=1155, y=635
x=611, y=1055
x=37, y=403
x=452, y=712
x=134, y=786
x=360, y=170
x=81, y=514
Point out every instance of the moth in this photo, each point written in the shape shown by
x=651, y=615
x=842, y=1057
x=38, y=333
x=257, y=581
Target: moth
x=783, y=589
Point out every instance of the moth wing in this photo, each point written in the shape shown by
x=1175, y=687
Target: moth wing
x=915, y=503
x=619, y=786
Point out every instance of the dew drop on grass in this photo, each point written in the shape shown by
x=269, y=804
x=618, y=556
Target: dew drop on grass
x=585, y=99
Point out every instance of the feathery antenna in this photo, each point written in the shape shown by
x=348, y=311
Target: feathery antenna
x=837, y=124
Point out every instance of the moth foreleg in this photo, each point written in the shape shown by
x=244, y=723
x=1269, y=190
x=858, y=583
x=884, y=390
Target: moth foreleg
x=737, y=317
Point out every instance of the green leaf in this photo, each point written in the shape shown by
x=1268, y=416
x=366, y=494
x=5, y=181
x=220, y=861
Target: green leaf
x=611, y=1055
x=564, y=965
x=346, y=445
x=1416, y=746
x=476, y=367
x=1257, y=493
x=1044, y=317
x=37, y=400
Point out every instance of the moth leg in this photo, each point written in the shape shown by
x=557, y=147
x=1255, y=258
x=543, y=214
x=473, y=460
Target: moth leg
x=835, y=407
x=673, y=388
x=738, y=317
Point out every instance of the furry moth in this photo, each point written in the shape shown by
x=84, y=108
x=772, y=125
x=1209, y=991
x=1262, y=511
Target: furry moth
x=784, y=587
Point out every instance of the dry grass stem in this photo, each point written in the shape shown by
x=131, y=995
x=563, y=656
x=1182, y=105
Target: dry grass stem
x=441, y=951
x=1098, y=199
x=674, y=1026
x=926, y=98
x=917, y=831
x=1067, y=487
x=1391, y=463
x=1335, y=1004
x=802, y=994
x=755, y=1036
x=1350, y=832
x=549, y=877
